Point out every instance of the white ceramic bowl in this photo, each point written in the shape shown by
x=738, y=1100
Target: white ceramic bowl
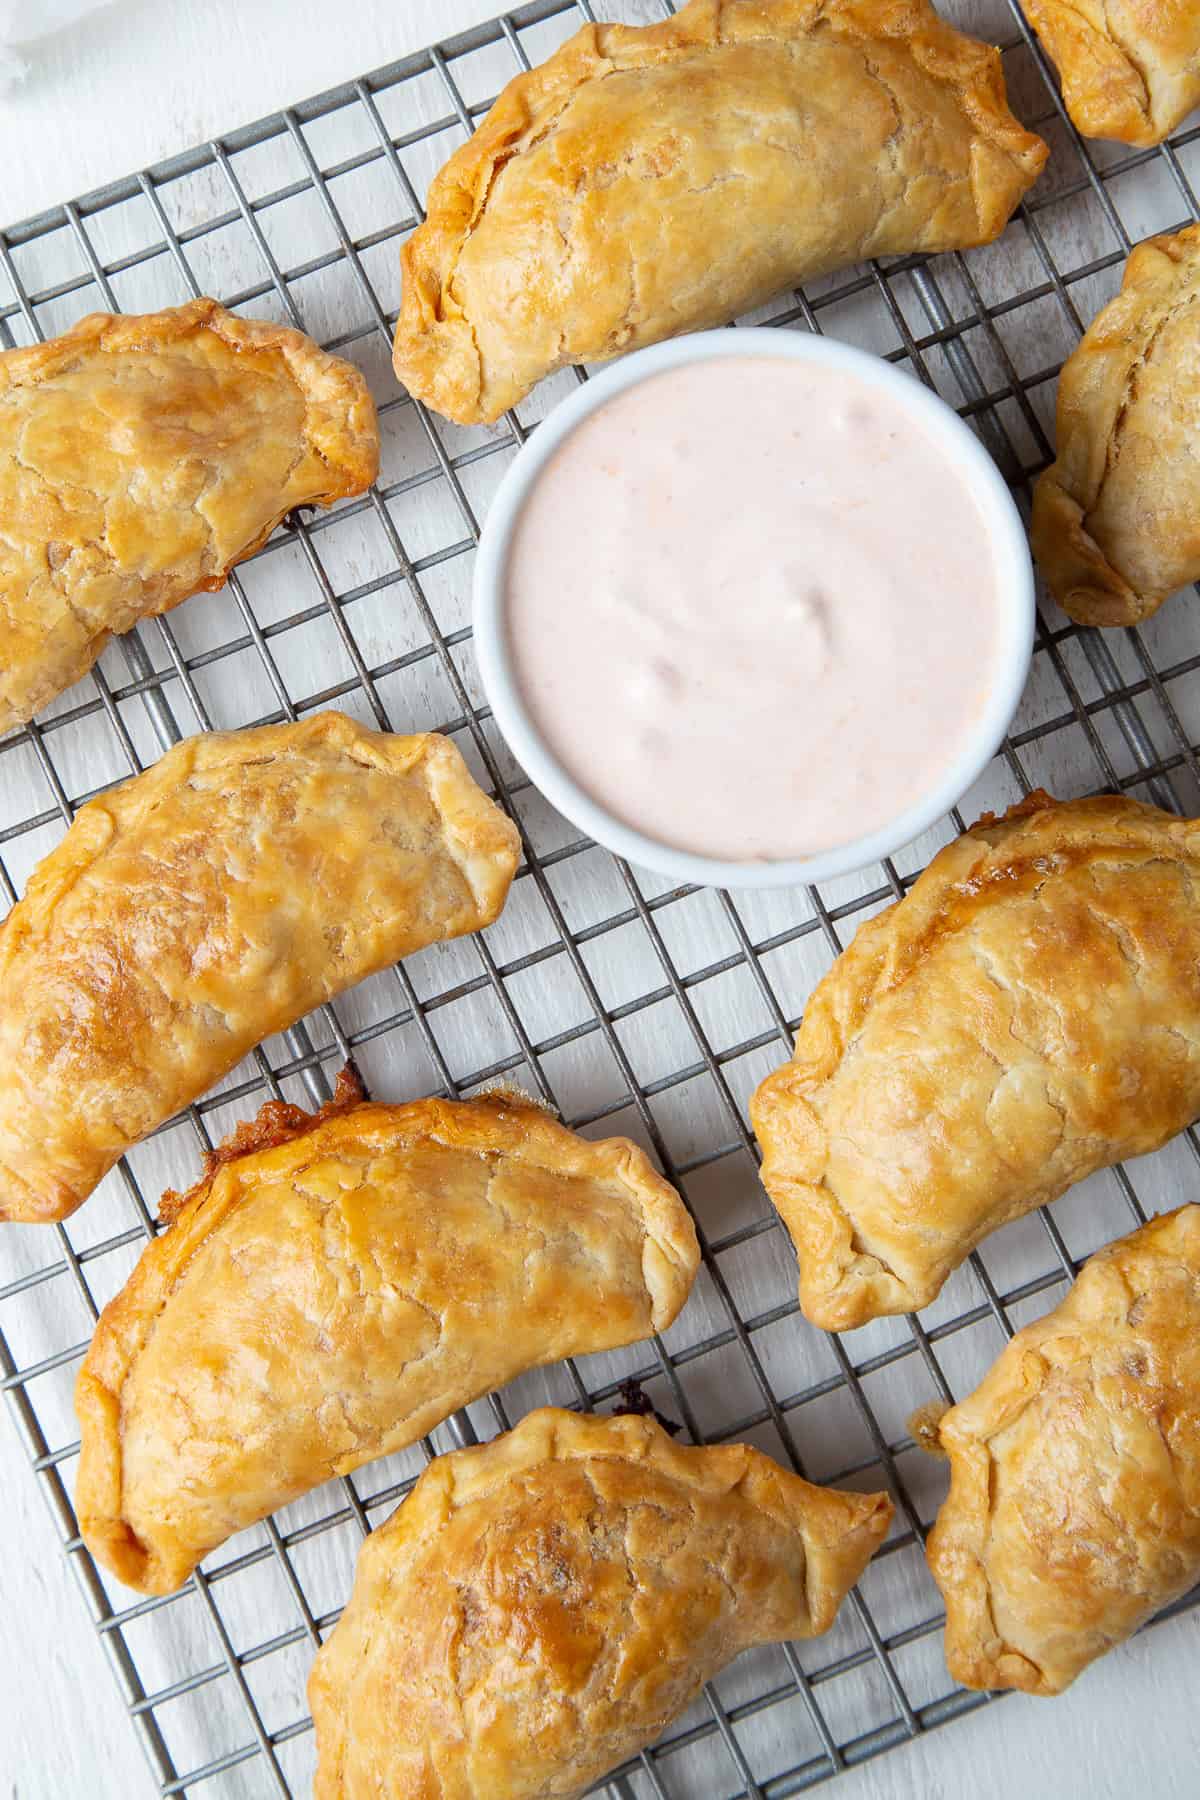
x=1016, y=608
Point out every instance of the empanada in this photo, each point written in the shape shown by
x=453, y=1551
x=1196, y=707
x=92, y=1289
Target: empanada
x=331, y=1297
x=653, y=180
x=1130, y=69
x=217, y=898
x=1074, y=1504
x=1029, y=1012
x=140, y=458
x=1116, y=518
x=540, y=1607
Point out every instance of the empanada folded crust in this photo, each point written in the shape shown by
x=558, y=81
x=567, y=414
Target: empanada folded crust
x=1130, y=69
x=540, y=1607
x=328, y=1299
x=1116, y=518
x=651, y=180
x=140, y=458
x=214, y=899
x=1074, y=1505
x=1028, y=1013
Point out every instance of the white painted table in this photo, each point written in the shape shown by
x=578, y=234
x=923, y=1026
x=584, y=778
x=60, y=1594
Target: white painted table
x=133, y=85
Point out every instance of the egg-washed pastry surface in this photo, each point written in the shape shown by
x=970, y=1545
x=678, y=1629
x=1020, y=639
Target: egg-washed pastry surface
x=140, y=458
x=215, y=899
x=1130, y=69
x=328, y=1299
x=1074, y=1505
x=542, y=1606
x=1116, y=518
x=1028, y=1013
x=647, y=181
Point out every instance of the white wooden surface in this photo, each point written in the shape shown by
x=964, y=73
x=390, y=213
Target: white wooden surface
x=131, y=85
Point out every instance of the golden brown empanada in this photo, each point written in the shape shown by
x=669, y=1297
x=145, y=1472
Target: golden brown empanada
x=540, y=1607
x=1028, y=1013
x=140, y=458
x=1074, y=1505
x=653, y=180
x=333, y=1296
x=1116, y=518
x=1130, y=69
x=215, y=899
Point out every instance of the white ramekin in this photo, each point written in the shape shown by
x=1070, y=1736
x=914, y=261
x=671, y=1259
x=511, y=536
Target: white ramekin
x=1016, y=607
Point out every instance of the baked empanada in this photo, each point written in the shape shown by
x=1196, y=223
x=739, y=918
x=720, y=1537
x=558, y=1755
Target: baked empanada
x=1116, y=518
x=140, y=458
x=211, y=901
x=1029, y=1012
x=329, y=1298
x=540, y=1607
x=653, y=180
x=1130, y=69
x=1074, y=1504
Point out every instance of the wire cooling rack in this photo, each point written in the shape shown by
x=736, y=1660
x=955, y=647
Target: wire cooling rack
x=628, y=1004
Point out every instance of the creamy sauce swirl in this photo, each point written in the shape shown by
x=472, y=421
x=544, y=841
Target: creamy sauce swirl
x=753, y=607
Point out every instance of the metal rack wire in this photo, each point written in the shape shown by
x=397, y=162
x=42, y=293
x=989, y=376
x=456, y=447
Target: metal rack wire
x=628, y=1004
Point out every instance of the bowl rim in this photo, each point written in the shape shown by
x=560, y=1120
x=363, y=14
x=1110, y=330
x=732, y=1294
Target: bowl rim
x=1017, y=607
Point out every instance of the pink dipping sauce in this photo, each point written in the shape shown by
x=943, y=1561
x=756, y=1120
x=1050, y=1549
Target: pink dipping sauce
x=752, y=608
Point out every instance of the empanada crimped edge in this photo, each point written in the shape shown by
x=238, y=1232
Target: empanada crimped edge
x=1161, y=278
x=435, y=349
x=958, y=1537
x=500, y=1123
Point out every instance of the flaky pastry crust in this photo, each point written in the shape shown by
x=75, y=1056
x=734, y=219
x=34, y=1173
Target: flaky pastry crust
x=1116, y=518
x=540, y=1607
x=140, y=458
x=647, y=181
x=331, y=1298
x=1028, y=1013
x=217, y=898
x=1074, y=1505
x=1130, y=69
